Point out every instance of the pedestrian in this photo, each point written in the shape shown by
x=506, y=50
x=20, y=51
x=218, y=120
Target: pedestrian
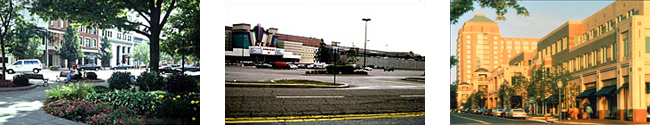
x=589, y=112
x=532, y=109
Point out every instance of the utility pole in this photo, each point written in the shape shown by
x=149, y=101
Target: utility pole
x=365, y=42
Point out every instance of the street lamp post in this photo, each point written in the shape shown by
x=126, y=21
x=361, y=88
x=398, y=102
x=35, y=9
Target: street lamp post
x=365, y=41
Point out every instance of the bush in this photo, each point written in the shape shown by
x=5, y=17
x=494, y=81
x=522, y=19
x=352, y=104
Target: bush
x=101, y=89
x=93, y=112
x=21, y=80
x=69, y=92
x=185, y=106
x=149, y=81
x=345, y=69
x=91, y=75
x=120, y=80
x=179, y=83
x=142, y=102
x=54, y=67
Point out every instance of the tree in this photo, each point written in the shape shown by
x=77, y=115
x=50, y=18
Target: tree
x=8, y=15
x=70, y=48
x=105, y=53
x=323, y=54
x=106, y=14
x=454, y=61
x=352, y=55
x=460, y=7
x=184, y=27
x=141, y=53
x=453, y=95
x=25, y=40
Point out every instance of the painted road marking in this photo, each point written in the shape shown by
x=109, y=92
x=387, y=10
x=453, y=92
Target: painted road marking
x=397, y=82
x=321, y=117
x=407, y=96
x=305, y=97
x=471, y=119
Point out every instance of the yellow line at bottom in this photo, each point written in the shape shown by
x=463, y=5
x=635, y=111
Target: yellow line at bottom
x=321, y=117
x=397, y=82
x=471, y=119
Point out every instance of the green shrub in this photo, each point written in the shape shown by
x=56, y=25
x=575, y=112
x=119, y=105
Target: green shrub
x=143, y=102
x=70, y=91
x=21, y=80
x=149, y=81
x=179, y=83
x=101, y=89
x=91, y=75
x=120, y=80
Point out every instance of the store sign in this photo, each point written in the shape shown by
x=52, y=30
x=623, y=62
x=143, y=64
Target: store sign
x=266, y=50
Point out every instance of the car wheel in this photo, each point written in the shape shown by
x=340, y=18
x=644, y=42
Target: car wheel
x=10, y=71
x=96, y=69
x=36, y=70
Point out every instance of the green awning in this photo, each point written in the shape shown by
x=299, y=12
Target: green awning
x=605, y=90
x=586, y=93
x=621, y=88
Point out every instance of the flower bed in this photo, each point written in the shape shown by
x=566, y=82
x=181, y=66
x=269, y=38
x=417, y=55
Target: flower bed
x=93, y=112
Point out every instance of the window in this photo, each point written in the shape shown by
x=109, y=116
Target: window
x=495, y=37
x=469, y=47
x=94, y=44
x=468, y=66
x=468, y=61
x=87, y=42
x=119, y=36
x=647, y=44
x=469, y=57
x=61, y=23
x=469, y=71
x=469, y=52
x=626, y=43
x=51, y=22
x=468, y=36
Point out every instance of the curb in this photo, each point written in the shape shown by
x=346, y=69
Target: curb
x=18, y=88
x=230, y=84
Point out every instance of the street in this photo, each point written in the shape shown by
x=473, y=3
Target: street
x=101, y=74
x=380, y=92
x=466, y=118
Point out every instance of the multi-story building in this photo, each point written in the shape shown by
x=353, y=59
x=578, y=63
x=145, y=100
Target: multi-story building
x=121, y=46
x=306, y=50
x=259, y=45
x=88, y=39
x=480, y=45
x=607, y=56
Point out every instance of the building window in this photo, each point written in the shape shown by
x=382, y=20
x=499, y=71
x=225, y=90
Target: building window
x=468, y=36
x=61, y=23
x=119, y=36
x=94, y=44
x=626, y=43
x=87, y=42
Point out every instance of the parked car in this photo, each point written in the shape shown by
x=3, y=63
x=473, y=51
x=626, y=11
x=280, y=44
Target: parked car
x=263, y=65
x=389, y=68
x=121, y=67
x=168, y=69
x=280, y=65
x=25, y=65
x=491, y=111
x=516, y=113
x=192, y=68
x=90, y=67
x=497, y=113
x=504, y=112
x=368, y=68
x=292, y=66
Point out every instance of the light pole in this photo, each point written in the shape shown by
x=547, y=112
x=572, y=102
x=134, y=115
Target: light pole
x=365, y=41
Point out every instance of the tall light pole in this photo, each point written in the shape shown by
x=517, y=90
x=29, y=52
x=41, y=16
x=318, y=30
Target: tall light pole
x=365, y=41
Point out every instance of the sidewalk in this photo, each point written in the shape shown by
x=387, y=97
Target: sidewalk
x=554, y=119
x=26, y=107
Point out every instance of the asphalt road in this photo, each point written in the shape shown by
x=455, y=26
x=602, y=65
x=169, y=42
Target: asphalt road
x=465, y=118
x=378, y=93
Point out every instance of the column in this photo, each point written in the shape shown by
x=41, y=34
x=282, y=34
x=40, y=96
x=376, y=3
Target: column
x=600, y=107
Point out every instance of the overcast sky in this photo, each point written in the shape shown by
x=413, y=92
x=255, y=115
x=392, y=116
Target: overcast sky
x=544, y=17
x=400, y=24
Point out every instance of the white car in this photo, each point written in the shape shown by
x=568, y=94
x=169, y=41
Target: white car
x=368, y=68
x=497, y=113
x=516, y=113
x=292, y=66
x=25, y=65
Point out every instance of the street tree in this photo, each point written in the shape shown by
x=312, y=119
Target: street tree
x=505, y=93
x=8, y=16
x=105, y=53
x=141, y=53
x=183, y=30
x=460, y=7
x=70, y=48
x=352, y=55
x=25, y=40
x=519, y=86
x=453, y=95
x=454, y=61
x=323, y=54
x=106, y=14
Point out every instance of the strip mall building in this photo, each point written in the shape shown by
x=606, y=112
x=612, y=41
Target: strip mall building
x=607, y=54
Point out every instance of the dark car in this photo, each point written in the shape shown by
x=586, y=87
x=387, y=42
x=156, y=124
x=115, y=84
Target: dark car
x=168, y=69
x=121, y=67
x=90, y=67
x=192, y=68
x=389, y=68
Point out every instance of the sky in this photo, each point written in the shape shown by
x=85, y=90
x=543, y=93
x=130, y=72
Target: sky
x=544, y=17
x=396, y=25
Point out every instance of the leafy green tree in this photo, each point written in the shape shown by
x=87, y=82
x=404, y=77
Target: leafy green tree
x=106, y=14
x=323, y=54
x=352, y=55
x=8, y=16
x=105, y=53
x=141, y=53
x=70, y=48
x=26, y=38
x=184, y=27
x=460, y=7
x=454, y=61
x=453, y=95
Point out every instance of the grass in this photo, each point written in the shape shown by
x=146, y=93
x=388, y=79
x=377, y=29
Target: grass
x=414, y=79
